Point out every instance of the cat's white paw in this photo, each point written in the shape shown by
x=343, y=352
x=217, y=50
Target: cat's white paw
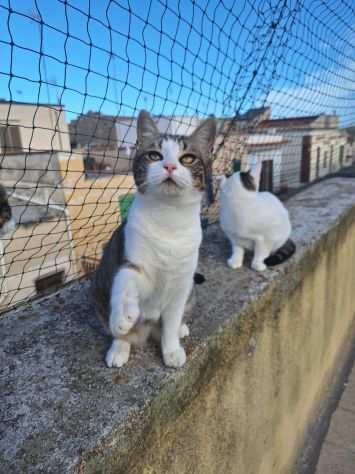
x=125, y=317
x=258, y=266
x=175, y=359
x=117, y=355
x=234, y=263
x=184, y=331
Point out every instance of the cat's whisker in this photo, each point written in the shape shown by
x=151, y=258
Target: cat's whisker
x=184, y=182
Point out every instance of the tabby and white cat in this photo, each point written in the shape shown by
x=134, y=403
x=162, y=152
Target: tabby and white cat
x=254, y=220
x=146, y=272
x=7, y=224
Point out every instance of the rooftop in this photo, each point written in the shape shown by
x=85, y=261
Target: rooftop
x=289, y=122
x=264, y=140
x=37, y=104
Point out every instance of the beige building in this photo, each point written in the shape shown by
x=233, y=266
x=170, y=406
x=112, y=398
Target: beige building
x=64, y=213
x=231, y=146
x=94, y=204
x=64, y=218
x=315, y=147
x=26, y=127
x=38, y=256
x=350, y=144
x=294, y=151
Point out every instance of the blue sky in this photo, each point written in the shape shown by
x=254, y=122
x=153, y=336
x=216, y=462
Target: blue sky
x=180, y=57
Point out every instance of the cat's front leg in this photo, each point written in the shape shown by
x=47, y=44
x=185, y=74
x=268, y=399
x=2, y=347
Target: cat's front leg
x=124, y=302
x=123, y=316
x=261, y=252
x=236, y=260
x=172, y=329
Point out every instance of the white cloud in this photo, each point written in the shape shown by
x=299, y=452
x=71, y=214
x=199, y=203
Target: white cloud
x=325, y=91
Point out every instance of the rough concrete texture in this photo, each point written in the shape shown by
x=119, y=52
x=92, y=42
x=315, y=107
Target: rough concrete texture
x=261, y=353
x=338, y=451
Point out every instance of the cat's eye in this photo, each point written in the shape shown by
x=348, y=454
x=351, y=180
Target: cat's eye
x=187, y=160
x=154, y=156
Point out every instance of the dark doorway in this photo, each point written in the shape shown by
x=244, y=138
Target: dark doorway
x=318, y=163
x=341, y=156
x=266, y=178
x=306, y=159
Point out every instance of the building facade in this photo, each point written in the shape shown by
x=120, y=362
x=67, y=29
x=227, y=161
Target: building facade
x=26, y=127
x=94, y=205
x=315, y=147
x=38, y=256
x=265, y=149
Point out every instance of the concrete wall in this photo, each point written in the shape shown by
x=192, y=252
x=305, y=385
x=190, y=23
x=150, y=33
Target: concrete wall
x=270, y=370
x=262, y=353
x=41, y=127
x=33, y=175
x=32, y=251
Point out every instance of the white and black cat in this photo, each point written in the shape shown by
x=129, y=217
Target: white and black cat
x=146, y=273
x=254, y=220
x=7, y=223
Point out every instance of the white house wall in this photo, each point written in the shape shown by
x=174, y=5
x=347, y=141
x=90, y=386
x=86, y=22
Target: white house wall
x=41, y=127
x=323, y=139
x=329, y=143
x=275, y=155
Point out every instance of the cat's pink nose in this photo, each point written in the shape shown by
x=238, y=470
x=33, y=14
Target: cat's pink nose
x=170, y=167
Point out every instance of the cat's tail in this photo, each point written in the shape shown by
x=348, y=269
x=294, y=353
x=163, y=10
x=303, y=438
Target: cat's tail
x=282, y=254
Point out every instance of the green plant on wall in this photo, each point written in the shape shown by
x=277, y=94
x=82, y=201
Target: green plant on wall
x=124, y=203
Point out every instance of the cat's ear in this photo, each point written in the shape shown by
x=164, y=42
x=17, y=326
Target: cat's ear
x=147, y=131
x=204, y=135
x=255, y=171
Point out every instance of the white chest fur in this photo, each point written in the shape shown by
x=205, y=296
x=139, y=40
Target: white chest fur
x=163, y=236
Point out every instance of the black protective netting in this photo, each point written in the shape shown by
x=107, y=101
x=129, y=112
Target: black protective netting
x=278, y=75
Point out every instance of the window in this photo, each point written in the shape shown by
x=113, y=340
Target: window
x=325, y=159
x=10, y=139
x=49, y=282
